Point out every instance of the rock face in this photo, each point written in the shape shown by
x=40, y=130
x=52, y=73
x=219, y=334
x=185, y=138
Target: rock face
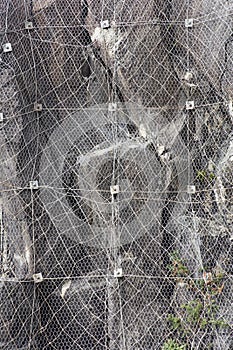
x=116, y=196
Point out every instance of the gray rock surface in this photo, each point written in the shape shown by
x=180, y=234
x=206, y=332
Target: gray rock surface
x=150, y=64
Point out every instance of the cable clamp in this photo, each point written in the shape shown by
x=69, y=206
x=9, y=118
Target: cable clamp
x=191, y=189
x=37, y=277
x=34, y=185
x=7, y=47
x=189, y=23
x=38, y=107
x=105, y=24
x=190, y=105
x=118, y=272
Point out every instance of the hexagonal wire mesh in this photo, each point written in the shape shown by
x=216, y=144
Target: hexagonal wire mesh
x=116, y=174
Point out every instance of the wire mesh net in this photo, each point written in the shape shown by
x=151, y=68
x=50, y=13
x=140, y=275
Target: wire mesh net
x=116, y=201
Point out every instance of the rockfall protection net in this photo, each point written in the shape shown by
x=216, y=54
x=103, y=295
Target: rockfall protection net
x=116, y=174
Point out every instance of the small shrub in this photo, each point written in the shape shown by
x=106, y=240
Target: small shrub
x=172, y=345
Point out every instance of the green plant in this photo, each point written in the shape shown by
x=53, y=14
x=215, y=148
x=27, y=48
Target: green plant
x=205, y=175
x=201, y=175
x=201, y=313
x=177, y=267
x=174, y=321
x=172, y=345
